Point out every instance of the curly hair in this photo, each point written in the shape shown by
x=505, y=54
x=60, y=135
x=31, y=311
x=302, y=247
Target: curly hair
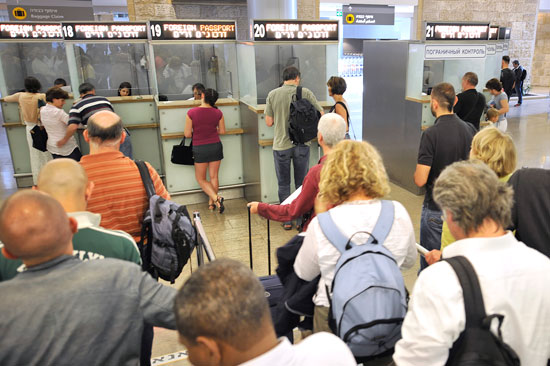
x=496, y=149
x=353, y=167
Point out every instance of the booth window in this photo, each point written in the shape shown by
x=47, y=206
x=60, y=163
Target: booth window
x=44, y=61
x=107, y=65
x=179, y=66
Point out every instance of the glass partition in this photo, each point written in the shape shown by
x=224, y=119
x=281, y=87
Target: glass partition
x=107, y=65
x=45, y=61
x=179, y=66
x=310, y=59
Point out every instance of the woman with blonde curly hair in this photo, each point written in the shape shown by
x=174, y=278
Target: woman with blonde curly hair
x=353, y=180
x=494, y=148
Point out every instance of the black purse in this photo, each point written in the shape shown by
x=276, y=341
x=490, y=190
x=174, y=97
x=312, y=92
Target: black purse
x=39, y=138
x=182, y=154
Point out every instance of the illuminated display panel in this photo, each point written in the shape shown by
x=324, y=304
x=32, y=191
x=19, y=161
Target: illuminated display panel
x=30, y=31
x=103, y=31
x=295, y=30
x=193, y=30
x=504, y=33
x=456, y=32
x=493, y=33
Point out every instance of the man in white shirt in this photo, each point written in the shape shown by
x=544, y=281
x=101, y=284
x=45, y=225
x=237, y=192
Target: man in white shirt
x=223, y=318
x=513, y=278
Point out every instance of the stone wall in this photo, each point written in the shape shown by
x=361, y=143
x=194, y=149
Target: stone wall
x=520, y=15
x=219, y=10
x=540, y=71
x=140, y=10
x=308, y=9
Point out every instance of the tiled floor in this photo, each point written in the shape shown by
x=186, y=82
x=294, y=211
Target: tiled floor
x=228, y=233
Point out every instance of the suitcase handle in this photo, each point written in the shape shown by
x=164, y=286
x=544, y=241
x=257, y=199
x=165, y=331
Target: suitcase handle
x=250, y=243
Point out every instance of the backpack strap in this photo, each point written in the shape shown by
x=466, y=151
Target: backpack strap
x=473, y=299
x=146, y=178
x=331, y=231
x=384, y=224
x=379, y=233
x=298, y=92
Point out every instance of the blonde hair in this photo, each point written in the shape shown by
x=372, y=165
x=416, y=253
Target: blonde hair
x=353, y=167
x=491, y=113
x=496, y=149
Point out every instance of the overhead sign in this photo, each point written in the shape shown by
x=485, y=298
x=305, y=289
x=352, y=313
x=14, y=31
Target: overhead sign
x=491, y=49
x=295, y=30
x=500, y=47
x=368, y=14
x=442, y=52
x=103, y=31
x=504, y=33
x=456, y=32
x=50, y=10
x=30, y=31
x=493, y=33
x=192, y=30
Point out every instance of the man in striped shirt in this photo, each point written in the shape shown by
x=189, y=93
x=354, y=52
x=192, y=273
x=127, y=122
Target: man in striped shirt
x=84, y=108
x=119, y=194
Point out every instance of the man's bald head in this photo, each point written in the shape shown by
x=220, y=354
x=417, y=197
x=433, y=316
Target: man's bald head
x=34, y=227
x=104, y=126
x=64, y=180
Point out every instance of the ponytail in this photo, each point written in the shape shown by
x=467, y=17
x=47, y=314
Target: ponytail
x=211, y=97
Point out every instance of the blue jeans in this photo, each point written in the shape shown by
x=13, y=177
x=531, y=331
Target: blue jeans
x=519, y=91
x=126, y=146
x=299, y=155
x=430, y=231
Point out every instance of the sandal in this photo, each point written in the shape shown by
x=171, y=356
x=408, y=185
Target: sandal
x=211, y=207
x=221, y=207
x=287, y=226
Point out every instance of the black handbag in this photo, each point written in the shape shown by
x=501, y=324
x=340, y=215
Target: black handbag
x=182, y=154
x=39, y=138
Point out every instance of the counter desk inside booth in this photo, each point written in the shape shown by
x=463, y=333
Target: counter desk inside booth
x=139, y=116
x=181, y=178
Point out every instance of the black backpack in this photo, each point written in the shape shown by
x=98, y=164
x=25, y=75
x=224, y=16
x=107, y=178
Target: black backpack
x=477, y=345
x=167, y=235
x=303, y=119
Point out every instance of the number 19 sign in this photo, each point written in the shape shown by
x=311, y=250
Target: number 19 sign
x=295, y=30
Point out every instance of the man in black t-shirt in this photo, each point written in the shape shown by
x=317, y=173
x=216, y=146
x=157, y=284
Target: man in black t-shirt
x=471, y=103
x=507, y=77
x=447, y=141
x=531, y=211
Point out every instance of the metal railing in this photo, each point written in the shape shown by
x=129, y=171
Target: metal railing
x=203, y=244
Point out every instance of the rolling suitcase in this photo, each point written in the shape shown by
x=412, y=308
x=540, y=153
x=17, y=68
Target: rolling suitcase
x=272, y=284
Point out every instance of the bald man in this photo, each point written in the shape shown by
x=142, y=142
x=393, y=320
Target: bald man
x=67, y=182
x=62, y=310
x=119, y=196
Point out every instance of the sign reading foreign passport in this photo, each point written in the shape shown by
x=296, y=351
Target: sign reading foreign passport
x=456, y=32
x=192, y=30
x=295, y=30
x=104, y=31
x=30, y=31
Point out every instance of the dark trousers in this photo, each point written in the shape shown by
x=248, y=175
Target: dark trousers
x=126, y=146
x=299, y=156
x=75, y=155
x=519, y=91
x=146, y=345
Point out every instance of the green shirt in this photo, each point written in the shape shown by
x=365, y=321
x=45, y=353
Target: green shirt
x=278, y=107
x=90, y=242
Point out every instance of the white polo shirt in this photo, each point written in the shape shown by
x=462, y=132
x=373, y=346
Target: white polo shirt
x=55, y=122
x=318, y=349
x=515, y=282
x=318, y=256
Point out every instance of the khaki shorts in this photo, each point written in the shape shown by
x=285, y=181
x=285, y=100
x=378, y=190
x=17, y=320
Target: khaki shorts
x=320, y=320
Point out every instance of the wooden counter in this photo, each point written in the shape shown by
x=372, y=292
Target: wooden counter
x=180, y=135
x=195, y=103
x=131, y=99
x=423, y=99
x=260, y=108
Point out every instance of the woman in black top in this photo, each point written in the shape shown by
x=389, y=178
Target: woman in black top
x=336, y=88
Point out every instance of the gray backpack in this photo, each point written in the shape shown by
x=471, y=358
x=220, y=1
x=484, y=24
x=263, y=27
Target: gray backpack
x=167, y=235
x=369, y=300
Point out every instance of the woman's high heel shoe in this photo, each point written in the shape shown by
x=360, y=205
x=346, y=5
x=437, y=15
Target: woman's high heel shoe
x=221, y=207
